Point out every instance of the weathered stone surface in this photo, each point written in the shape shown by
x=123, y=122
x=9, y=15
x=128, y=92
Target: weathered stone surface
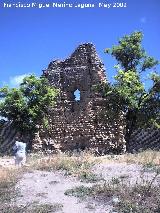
x=76, y=124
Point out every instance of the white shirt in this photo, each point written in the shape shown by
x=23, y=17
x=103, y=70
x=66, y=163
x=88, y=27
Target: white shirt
x=20, y=147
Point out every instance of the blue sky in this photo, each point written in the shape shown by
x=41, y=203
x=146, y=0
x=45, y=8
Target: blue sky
x=32, y=37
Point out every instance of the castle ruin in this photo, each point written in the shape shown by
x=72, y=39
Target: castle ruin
x=75, y=124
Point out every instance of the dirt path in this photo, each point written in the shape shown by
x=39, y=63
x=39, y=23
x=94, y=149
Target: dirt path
x=49, y=187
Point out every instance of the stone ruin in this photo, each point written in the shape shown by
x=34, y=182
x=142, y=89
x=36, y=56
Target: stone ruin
x=77, y=124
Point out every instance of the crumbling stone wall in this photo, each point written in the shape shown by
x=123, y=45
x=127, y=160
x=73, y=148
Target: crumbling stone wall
x=75, y=124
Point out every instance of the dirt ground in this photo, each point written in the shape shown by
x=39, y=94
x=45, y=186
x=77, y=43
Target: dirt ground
x=50, y=187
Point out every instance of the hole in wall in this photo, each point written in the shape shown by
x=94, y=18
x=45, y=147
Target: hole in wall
x=77, y=95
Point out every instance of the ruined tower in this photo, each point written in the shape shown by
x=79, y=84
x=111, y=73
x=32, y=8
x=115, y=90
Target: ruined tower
x=73, y=123
x=78, y=124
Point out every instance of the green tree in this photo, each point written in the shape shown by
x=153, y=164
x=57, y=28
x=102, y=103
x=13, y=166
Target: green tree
x=128, y=93
x=28, y=105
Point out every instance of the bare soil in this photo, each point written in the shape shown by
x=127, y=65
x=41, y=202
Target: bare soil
x=50, y=187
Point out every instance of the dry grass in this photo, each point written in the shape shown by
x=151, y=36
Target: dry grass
x=8, y=176
x=144, y=158
x=79, y=166
x=8, y=179
x=31, y=208
x=69, y=161
x=138, y=198
x=8, y=173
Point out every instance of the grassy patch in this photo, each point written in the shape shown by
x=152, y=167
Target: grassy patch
x=140, y=198
x=32, y=208
x=44, y=208
x=144, y=158
x=79, y=166
x=136, y=199
x=8, y=179
x=80, y=191
x=151, y=167
x=115, y=180
x=89, y=177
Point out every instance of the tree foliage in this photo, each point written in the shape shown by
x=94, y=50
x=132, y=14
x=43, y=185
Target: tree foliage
x=128, y=93
x=131, y=55
x=27, y=105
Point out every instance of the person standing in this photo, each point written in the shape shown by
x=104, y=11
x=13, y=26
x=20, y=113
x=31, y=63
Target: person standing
x=20, y=153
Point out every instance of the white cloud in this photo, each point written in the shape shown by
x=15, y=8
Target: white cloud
x=15, y=81
x=143, y=20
